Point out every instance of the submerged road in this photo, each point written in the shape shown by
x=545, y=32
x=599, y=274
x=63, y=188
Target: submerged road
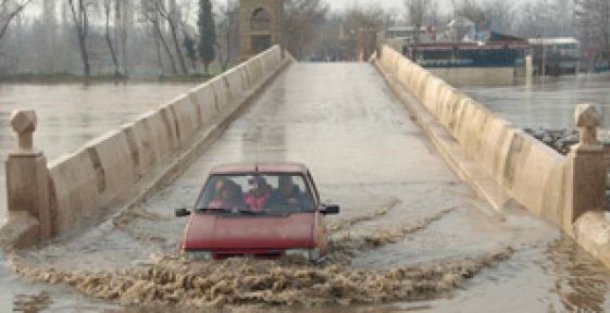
x=367, y=155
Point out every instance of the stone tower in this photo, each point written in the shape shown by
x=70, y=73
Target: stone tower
x=260, y=26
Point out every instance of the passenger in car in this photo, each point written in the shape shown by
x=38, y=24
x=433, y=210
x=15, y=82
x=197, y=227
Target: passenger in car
x=258, y=194
x=228, y=197
x=214, y=194
x=288, y=197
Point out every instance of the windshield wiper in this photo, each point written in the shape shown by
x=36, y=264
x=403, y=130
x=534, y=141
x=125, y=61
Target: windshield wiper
x=214, y=210
x=250, y=212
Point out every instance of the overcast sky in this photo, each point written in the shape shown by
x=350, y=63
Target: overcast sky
x=338, y=5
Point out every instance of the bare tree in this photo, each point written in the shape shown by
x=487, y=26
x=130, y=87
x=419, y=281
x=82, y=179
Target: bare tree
x=80, y=18
x=151, y=13
x=227, y=29
x=545, y=19
x=593, y=16
x=124, y=25
x=301, y=22
x=362, y=25
x=107, y=4
x=500, y=15
x=9, y=10
x=46, y=29
x=565, y=11
x=171, y=14
x=417, y=11
x=473, y=11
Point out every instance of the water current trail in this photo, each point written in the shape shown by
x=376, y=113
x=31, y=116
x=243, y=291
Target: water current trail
x=411, y=236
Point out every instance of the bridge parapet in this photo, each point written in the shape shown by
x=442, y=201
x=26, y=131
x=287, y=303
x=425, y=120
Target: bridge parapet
x=559, y=188
x=27, y=186
x=115, y=170
x=586, y=167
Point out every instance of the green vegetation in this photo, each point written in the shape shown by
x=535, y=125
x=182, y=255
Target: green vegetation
x=207, y=34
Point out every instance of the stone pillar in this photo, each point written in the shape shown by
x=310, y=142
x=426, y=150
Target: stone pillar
x=27, y=179
x=586, y=172
x=529, y=69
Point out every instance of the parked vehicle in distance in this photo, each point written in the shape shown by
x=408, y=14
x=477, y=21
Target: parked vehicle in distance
x=257, y=210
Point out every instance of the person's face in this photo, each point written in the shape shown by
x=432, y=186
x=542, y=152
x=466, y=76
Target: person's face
x=256, y=188
x=226, y=194
x=219, y=184
x=286, y=186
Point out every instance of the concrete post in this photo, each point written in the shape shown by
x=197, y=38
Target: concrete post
x=586, y=173
x=529, y=69
x=27, y=179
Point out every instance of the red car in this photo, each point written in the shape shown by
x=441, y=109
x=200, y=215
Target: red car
x=257, y=210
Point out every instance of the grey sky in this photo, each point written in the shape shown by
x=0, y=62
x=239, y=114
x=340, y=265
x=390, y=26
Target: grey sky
x=337, y=5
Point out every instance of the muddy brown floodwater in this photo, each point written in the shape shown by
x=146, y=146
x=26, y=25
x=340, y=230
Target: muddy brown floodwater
x=68, y=116
x=411, y=235
x=71, y=114
x=547, y=105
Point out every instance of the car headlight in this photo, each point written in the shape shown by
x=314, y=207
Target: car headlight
x=308, y=254
x=198, y=255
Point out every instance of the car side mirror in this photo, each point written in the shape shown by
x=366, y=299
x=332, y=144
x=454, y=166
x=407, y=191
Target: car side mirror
x=329, y=209
x=182, y=212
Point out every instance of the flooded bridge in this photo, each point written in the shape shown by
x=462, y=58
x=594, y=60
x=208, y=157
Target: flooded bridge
x=412, y=236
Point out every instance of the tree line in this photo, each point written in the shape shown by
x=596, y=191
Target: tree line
x=120, y=38
x=586, y=20
x=344, y=35
x=149, y=38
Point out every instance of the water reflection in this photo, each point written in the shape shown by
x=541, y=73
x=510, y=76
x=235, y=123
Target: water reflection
x=549, y=105
x=264, y=134
x=582, y=282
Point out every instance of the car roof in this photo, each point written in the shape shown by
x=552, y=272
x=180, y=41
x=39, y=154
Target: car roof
x=252, y=168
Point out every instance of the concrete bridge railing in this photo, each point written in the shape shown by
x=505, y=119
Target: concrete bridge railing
x=503, y=162
x=50, y=200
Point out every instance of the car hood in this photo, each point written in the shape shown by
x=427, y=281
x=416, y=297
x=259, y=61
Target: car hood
x=225, y=232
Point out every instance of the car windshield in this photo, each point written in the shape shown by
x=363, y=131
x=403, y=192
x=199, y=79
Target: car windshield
x=256, y=194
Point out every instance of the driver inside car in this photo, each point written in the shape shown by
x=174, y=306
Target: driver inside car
x=228, y=196
x=288, y=197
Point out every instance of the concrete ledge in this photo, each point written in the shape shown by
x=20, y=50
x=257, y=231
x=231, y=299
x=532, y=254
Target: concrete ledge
x=154, y=135
x=204, y=97
x=149, y=158
x=503, y=164
x=234, y=80
x=186, y=116
x=471, y=172
x=519, y=164
x=221, y=93
x=74, y=190
x=117, y=170
x=112, y=163
x=170, y=170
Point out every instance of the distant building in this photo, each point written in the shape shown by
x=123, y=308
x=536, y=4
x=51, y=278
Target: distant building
x=499, y=50
x=555, y=56
x=480, y=58
x=260, y=26
x=400, y=35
